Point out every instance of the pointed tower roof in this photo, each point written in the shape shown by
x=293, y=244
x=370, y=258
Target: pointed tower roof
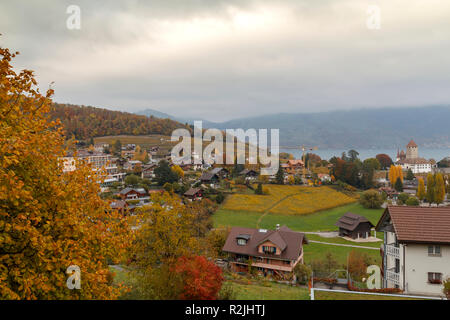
x=411, y=144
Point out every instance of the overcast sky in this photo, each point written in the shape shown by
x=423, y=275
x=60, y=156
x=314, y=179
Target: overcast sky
x=218, y=60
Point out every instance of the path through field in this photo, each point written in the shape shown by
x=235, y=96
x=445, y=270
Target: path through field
x=273, y=206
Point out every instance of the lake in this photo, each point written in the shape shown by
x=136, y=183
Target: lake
x=436, y=154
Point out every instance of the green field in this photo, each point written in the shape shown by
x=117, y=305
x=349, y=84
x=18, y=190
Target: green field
x=269, y=291
x=318, y=251
x=318, y=221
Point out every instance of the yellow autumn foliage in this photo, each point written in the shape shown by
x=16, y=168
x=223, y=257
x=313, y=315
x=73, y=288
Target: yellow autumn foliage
x=289, y=200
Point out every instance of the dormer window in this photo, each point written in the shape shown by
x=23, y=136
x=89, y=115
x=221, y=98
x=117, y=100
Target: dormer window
x=242, y=239
x=241, y=242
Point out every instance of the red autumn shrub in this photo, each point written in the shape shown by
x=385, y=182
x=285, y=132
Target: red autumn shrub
x=202, y=279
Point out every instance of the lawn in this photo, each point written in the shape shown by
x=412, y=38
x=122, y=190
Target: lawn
x=318, y=221
x=288, y=200
x=340, y=240
x=318, y=251
x=268, y=291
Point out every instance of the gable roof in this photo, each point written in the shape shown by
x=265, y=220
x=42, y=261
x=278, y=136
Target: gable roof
x=192, y=191
x=295, y=162
x=289, y=242
x=218, y=170
x=207, y=176
x=411, y=144
x=247, y=171
x=418, y=224
x=128, y=189
x=350, y=221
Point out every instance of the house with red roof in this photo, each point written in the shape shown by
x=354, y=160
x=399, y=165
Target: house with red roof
x=271, y=252
x=416, y=249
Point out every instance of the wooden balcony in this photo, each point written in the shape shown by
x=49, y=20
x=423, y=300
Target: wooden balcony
x=265, y=265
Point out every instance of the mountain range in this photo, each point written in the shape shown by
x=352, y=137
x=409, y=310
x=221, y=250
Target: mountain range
x=363, y=129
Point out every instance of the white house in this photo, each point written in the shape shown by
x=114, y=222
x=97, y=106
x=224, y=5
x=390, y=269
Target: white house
x=416, y=249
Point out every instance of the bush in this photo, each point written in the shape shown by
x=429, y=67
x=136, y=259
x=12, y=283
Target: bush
x=303, y=273
x=371, y=199
x=227, y=292
x=220, y=197
x=403, y=197
x=168, y=187
x=259, y=189
x=446, y=289
x=412, y=202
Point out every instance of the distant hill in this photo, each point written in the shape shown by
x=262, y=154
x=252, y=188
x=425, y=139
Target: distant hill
x=363, y=129
x=85, y=122
x=162, y=115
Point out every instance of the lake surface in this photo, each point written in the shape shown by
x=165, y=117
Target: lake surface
x=436, y=154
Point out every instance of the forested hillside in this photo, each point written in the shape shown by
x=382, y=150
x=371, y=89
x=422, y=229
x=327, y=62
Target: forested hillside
x=85, y=122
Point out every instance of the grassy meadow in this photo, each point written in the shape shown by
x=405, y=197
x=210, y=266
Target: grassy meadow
x=318, y=221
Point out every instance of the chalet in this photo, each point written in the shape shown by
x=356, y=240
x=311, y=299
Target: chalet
x=416, y=249
x=391, y=193
x=210, y=178
x=119, y=205
x=249, y=174
x=271, y=252
x=324, y=177
x=129, y=154
x=294, y=165
x=354, y=226
x=132, y=194
x=132, y=164
x=221, y=172
x=194, y=194
x=148, y=171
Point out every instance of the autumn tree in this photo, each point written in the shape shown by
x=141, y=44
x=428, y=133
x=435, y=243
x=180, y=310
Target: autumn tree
x=439, y=189
x=421, y=190
x=357, y=266
x=385, y=160
x=201, y=278
x=178, y=171
x=165, y=232
x=49, y=220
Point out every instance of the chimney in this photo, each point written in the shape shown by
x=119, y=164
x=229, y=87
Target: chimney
x=278, y=227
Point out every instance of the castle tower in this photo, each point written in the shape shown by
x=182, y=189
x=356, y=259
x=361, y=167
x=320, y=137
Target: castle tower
x=412, y=150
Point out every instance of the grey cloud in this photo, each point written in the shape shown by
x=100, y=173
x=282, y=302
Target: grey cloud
x=132, y=55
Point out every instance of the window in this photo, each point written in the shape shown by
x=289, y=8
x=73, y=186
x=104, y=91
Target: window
x=241, y=242
x=434, y=277
x=269, y=249
x=434, y=251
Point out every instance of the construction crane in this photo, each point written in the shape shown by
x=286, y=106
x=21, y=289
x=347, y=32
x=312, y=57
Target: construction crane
x=304, y=149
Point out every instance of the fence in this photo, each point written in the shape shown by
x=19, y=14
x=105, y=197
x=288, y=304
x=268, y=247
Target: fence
x=312, y=290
